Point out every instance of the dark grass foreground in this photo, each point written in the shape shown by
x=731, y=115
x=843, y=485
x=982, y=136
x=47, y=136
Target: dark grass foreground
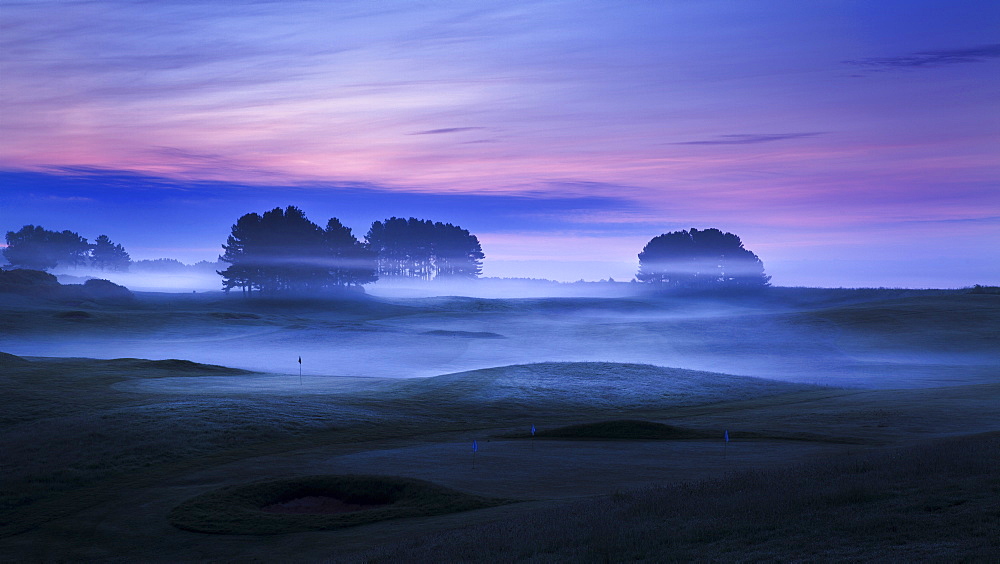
x=240, y=509
x=933, y=502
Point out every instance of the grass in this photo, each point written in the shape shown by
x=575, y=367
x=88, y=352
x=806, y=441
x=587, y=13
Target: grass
x=935, y=501
x=79, y=437
x=97, y=453
x=238, y=509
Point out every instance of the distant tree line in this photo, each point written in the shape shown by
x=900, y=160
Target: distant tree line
x=36, y=248
x=174, y=266
x=282, y=251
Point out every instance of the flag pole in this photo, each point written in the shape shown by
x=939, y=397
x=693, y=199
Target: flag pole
x=300, y=370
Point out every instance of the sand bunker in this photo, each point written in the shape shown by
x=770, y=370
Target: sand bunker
x=319, y=503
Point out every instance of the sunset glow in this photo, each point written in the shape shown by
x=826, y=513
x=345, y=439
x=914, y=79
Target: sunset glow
x=848, y=144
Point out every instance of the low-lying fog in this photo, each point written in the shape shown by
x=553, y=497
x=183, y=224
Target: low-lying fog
x=787, y=334
x=191, y=280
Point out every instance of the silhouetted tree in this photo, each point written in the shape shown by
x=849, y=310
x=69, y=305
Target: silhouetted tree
x=40, y=249
x=424, y=250
x=457, y=252
x=351, y=263
x=700, y=259
x=106, y=255
x=282, y=251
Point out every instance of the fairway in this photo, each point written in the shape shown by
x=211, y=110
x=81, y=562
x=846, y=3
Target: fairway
x=101, y=452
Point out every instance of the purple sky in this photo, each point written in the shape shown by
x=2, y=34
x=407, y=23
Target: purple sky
x=848, y=143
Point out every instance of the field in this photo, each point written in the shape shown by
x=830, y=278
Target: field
x=862, y=425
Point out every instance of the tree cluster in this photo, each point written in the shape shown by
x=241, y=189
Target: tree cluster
x=282, y=251
x=424, y=250
x=706, y=259
x=33, y=247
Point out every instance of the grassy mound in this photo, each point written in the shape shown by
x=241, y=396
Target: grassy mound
x=623, y=429
x=7, y=359
x=465, y=334
x=246, y=509
x=233, y=315
x=177, y=365
x=592, y=385
x=638, y=430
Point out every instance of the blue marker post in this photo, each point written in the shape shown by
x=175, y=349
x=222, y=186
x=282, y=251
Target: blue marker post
x=475, y=449
x=726, y=444
x=300, y=370
x=532, y=436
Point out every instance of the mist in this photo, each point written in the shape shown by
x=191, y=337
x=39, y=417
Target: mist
x=420, y=330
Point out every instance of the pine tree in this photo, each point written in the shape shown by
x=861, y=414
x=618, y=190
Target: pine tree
x=106, y=255
x=424, y=250
x=281, y=251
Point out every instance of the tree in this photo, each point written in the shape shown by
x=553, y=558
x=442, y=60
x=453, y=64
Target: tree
x=40, y=249
x=106, y=255
x=282, y=251
x=352, y=263
x=239, y=253
x=457, y=252
x=700, y=260
x=424, y=250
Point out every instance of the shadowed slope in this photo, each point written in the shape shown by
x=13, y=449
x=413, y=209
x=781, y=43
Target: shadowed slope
x=11, y=360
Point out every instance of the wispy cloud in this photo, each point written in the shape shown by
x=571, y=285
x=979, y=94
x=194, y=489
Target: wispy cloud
x=749, y=138
x=990, y=220
x=445, y=130
x=928, y=59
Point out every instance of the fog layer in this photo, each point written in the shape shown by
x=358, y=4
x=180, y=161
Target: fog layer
x=836, y=337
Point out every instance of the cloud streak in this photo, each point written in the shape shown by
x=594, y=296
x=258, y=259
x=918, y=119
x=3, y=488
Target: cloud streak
x=446, y=130
x=749, y=138
x=930, y=59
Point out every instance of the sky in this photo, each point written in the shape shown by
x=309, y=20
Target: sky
x=847, y=143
